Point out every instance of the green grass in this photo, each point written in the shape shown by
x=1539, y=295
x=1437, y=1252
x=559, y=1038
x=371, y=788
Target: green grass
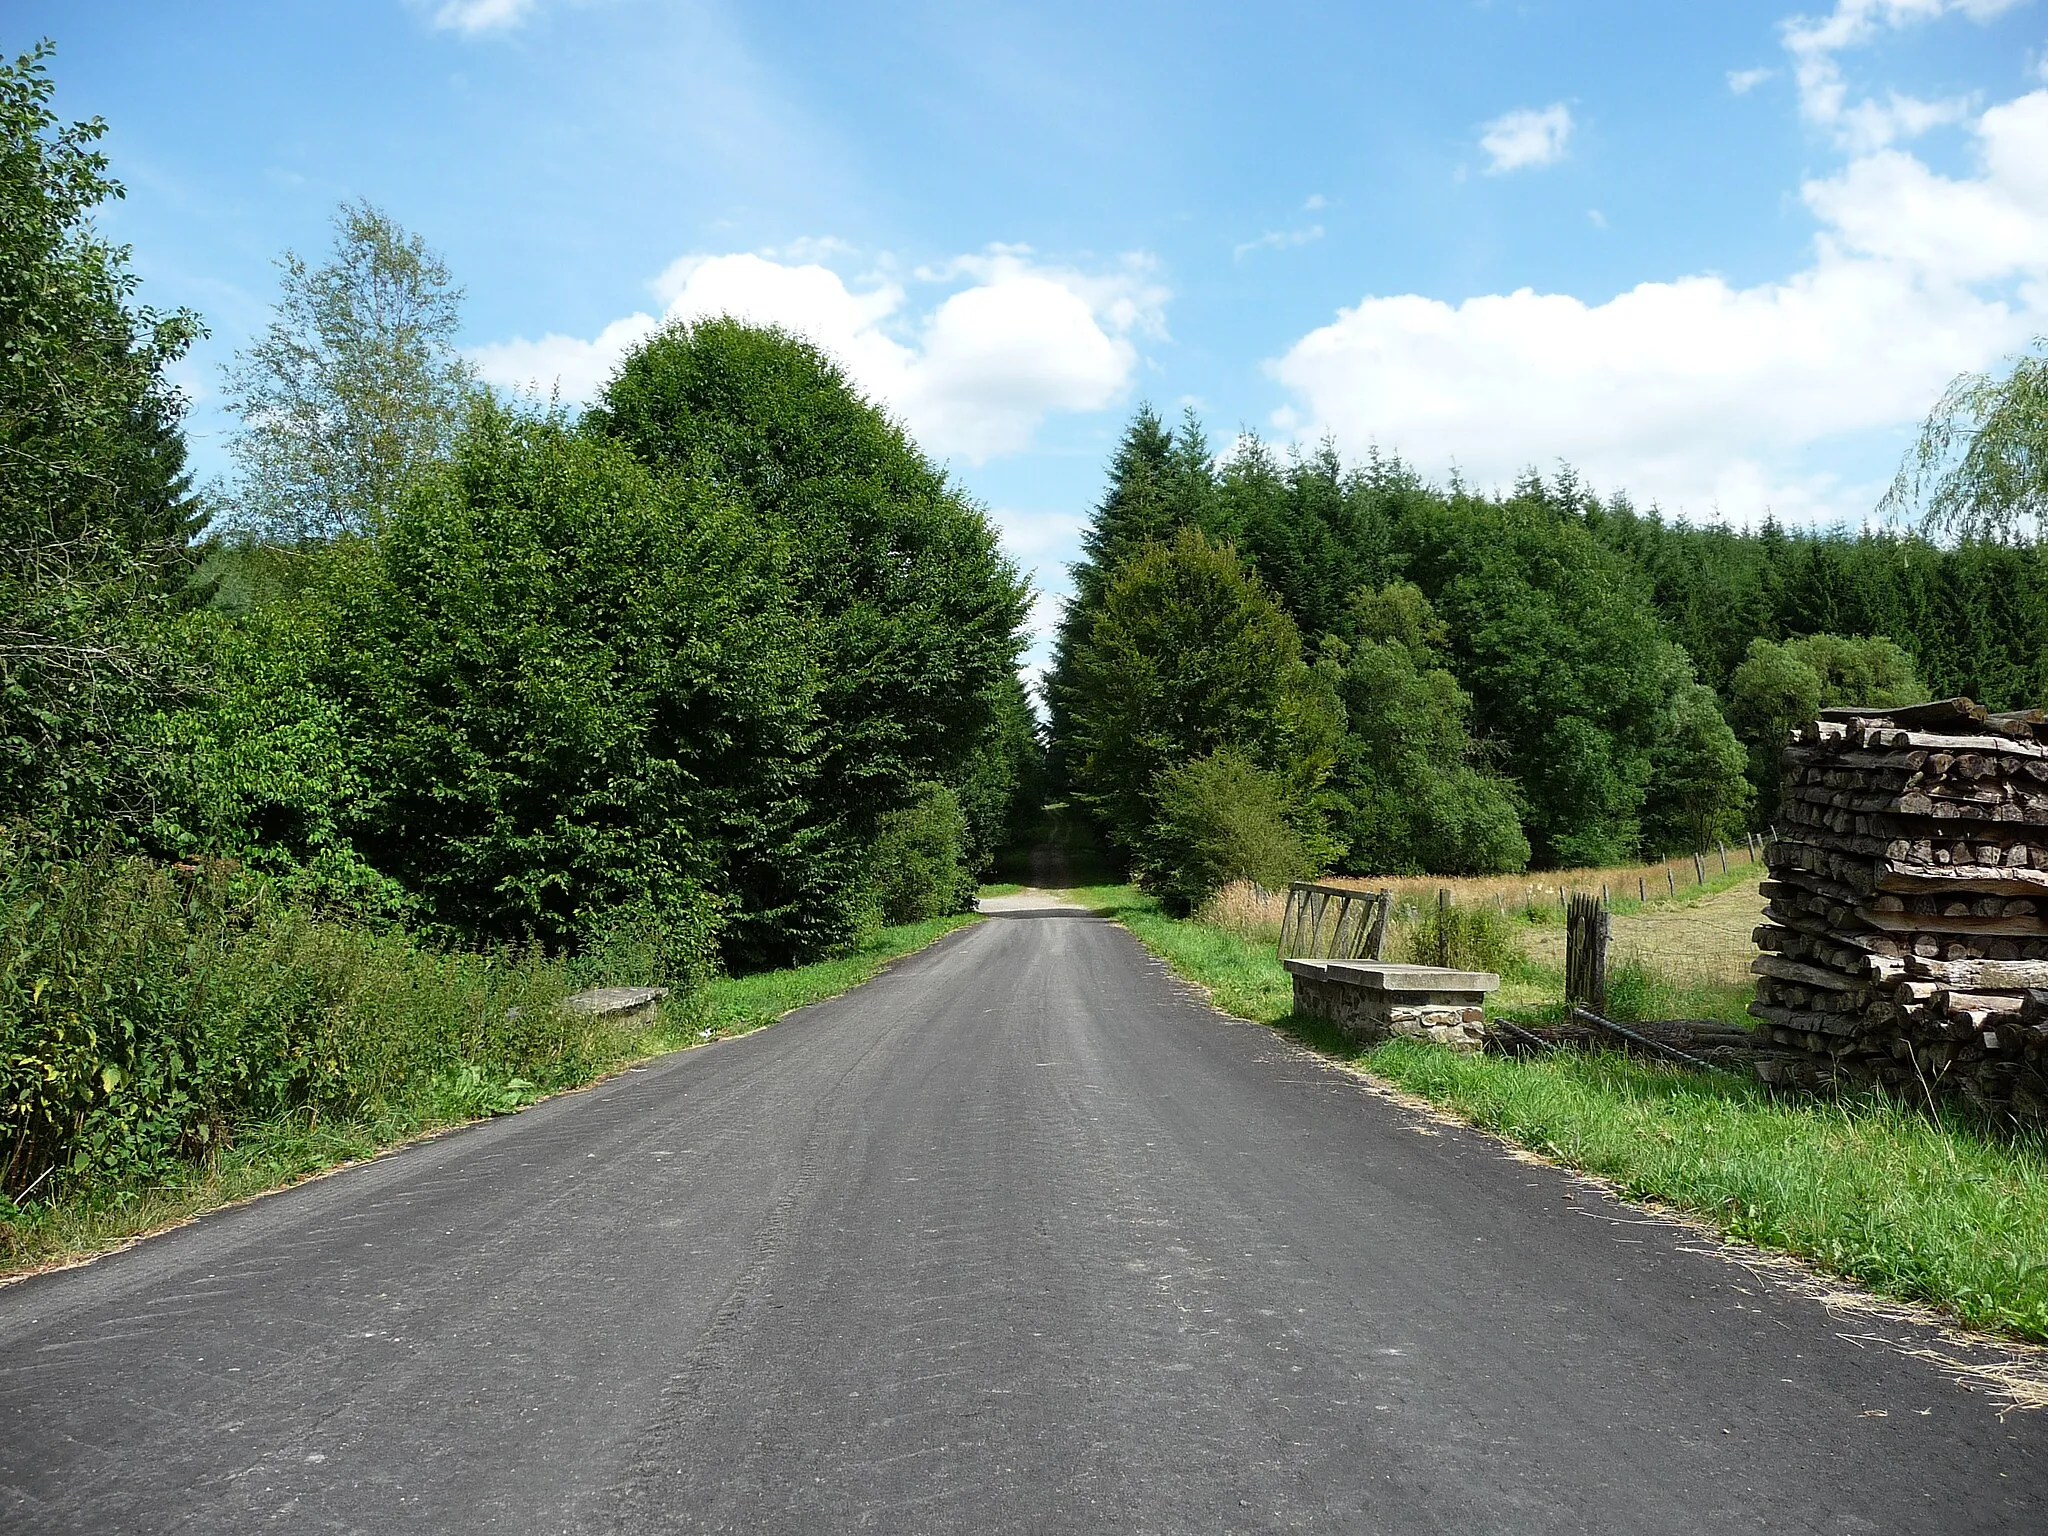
x=1001, y=888
x=1939, y=1210
x=269, y=1155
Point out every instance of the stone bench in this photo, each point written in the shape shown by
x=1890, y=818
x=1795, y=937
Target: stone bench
x=1370, y=1000
x=618, y=1005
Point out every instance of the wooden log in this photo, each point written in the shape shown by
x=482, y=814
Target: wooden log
x=1937, y=714
x=1808, y=975
x=1999, y=974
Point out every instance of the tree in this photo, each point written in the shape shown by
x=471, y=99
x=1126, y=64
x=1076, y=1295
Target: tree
x=355, y=385
x=1160, y=480
x=1413, y=798
x=1782, y=685
x=1187, y=654
x=582, y=695
x=913, y=613
x=1698, y=783
x=1979, y=467
x=1002, y=785
x=1556, y=640
x=96, y=511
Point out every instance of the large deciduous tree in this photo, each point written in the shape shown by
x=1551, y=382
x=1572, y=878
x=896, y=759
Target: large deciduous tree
x=913, y=614
x=1979, y=467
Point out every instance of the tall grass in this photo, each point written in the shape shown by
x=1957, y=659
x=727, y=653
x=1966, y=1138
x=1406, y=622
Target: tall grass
x=169, y=1039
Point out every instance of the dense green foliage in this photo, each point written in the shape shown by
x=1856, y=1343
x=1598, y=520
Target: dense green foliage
x=1580, y=684
x=1221, y=817
x=145, y=1014
x=1411, y=797
x=1972, y=616
x=918, y=867
x=96, y=511
x=477, y=702
x=1188, y=654
x=1781, y=684
x=913, y=610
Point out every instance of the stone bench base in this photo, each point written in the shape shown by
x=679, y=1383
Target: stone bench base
x=1371, y=1000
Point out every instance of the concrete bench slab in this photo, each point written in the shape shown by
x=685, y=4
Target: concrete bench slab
x=1370, y=1000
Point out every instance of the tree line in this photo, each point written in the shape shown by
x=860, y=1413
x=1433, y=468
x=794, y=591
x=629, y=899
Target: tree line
x=1274, y=664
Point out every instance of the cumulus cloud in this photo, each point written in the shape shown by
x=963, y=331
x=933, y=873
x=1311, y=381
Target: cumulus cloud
x=1526, y=137
x=1697, y=393
x=1869, y=124
x=1743, y=81
x=1014, y=342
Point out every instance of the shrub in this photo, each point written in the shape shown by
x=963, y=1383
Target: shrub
x=1223, y=818
x=918, y=868
x=1465, y=938
x=148, y=1015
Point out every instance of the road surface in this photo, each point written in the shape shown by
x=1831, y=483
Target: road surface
x=1017, y=1237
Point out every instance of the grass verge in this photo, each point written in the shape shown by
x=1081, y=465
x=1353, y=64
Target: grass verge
x=274, y=1154
x=1927, y=1206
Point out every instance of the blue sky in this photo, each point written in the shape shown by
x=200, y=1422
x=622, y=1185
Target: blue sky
x=1720, y=256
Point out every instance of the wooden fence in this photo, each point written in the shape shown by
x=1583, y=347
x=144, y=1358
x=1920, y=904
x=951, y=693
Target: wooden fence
x=1586, y=927
x=1327, y=922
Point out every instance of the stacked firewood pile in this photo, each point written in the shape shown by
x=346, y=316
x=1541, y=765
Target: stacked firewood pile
x=1906, y=939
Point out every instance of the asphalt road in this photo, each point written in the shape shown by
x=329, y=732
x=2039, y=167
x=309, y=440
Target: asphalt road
x=1015, y=1238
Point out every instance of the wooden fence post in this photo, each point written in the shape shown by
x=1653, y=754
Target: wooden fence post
x=1585, y=953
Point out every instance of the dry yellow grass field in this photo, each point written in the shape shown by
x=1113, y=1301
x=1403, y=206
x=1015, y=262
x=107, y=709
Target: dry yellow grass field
x=1512, y=892
x=1703, y=939
x=1699, y=935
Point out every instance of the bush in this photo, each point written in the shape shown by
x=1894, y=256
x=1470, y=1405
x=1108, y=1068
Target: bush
x=147, y=1015
x=1465, y=938
x=1223, y=818
x=918, y=867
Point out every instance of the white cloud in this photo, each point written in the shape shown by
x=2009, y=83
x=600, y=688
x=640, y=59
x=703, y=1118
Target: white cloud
x=1314, y=201
x=1527, y=136
x=1743, y=81
x=1823, y=92
x=1696, y=393
x=1015, y=341
x=473, y=16
x=1279, y=240
x=1596, y=218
